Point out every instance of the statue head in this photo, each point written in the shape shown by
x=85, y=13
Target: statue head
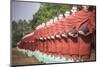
x=67, y=13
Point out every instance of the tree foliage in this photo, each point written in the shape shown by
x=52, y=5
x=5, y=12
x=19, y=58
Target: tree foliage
x=48, y=11
x=45, y=12
x=19, y=29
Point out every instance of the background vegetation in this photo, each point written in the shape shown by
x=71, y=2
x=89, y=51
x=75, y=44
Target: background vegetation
x=46, y=12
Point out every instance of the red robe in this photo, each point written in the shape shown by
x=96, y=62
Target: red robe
x=41, y=44
x=26, y=41
x=53, y=45
x=45, y=42
x=37, y=36
x=22, y=46
x=33, y=43
x=84, y=19
x=64, y=47
x=72, y=45
x=49, y=41
x=59, y=43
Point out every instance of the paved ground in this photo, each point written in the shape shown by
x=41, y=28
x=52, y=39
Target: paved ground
x=20, y=59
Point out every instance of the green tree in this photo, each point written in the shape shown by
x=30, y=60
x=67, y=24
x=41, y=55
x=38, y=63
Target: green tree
x=19, y=29
x=48, y=11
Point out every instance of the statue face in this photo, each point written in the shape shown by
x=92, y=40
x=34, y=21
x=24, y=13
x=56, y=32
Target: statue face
x=51, y=21
x=67, y=13
x=85, y=8
x=43, y=24
x=48, y=23
x=74, y=9
x=60, y=16
x=55, y=19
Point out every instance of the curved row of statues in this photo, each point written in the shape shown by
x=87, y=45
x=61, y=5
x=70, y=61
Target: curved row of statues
x=66, y=38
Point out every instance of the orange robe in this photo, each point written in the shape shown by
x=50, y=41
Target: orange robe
x=58, y=42
x=83, y=19
x=41, y=44
x=53, y=45
x=49, y=41
x=71, y=44
x=45, y=41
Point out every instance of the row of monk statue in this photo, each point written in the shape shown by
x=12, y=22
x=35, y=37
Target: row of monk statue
x=68, y=37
